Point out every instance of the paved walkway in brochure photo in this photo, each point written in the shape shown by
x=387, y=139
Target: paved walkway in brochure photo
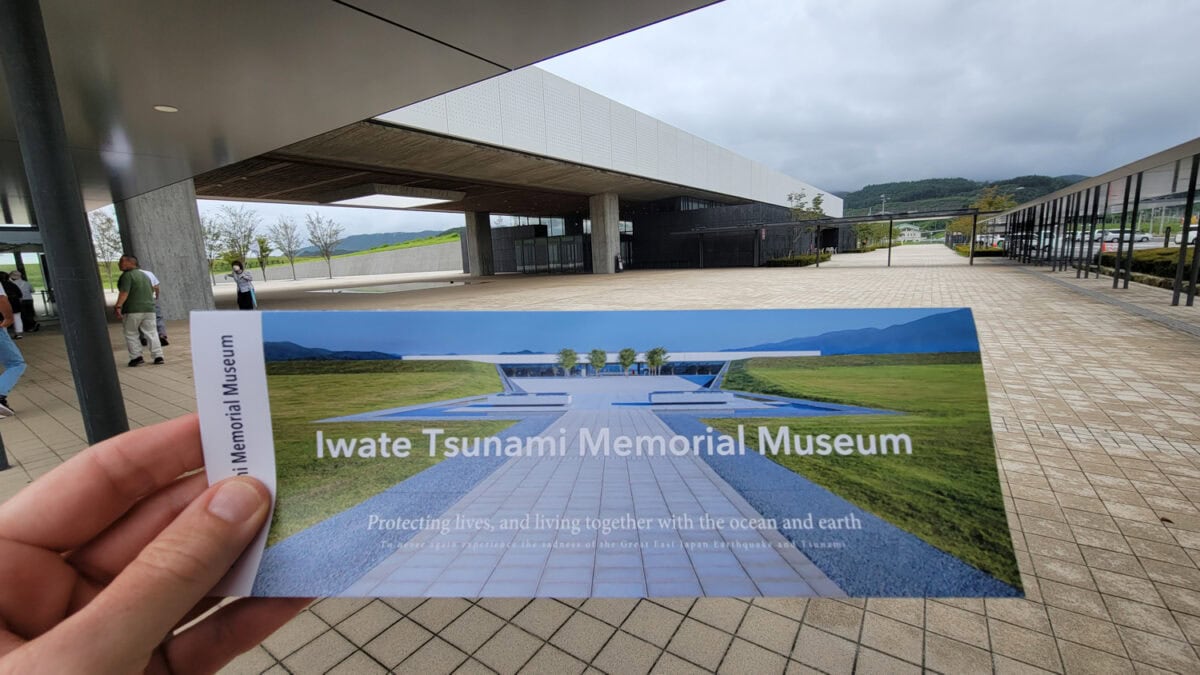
x=1095, y=406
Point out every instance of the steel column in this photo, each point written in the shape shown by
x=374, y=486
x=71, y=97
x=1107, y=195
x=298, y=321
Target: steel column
x=1137, y=201
x=889, y=264
x=1069, y=234
x=974, y=225
x=45, y=152
x=1079, y=269
x=1121, y=232
x=1042, y=224
x=1056, y=218
x=1075, y=241
x=1195, y=275
x=1185, y=231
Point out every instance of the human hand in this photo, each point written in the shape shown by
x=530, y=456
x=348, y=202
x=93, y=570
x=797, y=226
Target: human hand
x=106, y=556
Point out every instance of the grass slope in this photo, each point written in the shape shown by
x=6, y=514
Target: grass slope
x=310, y=489
x=947, y=492
x=222, y=266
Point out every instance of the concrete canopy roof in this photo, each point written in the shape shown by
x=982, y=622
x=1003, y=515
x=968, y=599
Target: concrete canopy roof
x=495, y=179
x=249, y=77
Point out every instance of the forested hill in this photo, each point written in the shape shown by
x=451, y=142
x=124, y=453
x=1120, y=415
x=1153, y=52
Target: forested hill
x=947, y=193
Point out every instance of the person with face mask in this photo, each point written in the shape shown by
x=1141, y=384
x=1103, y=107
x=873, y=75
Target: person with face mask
x=245, y=286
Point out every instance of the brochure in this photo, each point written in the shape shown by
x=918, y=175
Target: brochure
x=835, y=453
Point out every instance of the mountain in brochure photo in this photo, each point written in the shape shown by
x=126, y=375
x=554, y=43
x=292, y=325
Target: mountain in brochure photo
x=290, y=351
x=952, y=331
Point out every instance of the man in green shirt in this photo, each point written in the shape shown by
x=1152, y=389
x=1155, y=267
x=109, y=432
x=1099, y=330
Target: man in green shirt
x=135, y=307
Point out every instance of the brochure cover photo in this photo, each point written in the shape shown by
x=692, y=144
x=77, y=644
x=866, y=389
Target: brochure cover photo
x=838, y=453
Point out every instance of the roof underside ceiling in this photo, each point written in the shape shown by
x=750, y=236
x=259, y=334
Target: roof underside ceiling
x=494, y=179
x=250, y=77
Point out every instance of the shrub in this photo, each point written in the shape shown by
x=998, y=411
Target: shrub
x=1159, y=262
x=796, y=261
x=992, y=252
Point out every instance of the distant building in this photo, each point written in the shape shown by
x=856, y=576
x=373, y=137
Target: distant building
x=909, y=233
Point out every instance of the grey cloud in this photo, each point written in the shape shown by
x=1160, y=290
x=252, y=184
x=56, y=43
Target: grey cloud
x=849, y=93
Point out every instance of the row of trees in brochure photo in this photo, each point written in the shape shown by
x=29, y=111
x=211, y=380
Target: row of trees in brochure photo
x=598, y=359
x=234, y=233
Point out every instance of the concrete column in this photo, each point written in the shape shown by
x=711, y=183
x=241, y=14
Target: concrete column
x=162, y=228
x=479, y=262
x=606, y=237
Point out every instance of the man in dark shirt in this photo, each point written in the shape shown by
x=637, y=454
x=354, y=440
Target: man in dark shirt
x=135, y=307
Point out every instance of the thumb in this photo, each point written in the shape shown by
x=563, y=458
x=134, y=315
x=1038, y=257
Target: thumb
x=174, y=572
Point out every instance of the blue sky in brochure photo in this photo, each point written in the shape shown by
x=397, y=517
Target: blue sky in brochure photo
x=548, y=332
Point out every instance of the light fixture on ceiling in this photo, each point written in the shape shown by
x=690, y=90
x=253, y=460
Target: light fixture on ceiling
x=166, y=108
x=380, y=196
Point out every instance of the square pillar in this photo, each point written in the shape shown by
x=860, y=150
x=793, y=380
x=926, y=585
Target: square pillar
x=606, y=235
x=162, y=228
x=479, y=262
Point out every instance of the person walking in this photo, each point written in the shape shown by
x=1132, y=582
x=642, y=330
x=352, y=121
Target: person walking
x=10, y=357
x=28, y=315
x=245, y=286
x=13, y=293
x=135, y=307
x=159, y=322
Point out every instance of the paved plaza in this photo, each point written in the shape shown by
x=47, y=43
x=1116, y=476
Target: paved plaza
x=1095, y=403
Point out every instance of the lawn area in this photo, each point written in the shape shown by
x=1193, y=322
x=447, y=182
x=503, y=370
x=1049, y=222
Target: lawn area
x=947, y=492
x=221, y=267
x=310, y=489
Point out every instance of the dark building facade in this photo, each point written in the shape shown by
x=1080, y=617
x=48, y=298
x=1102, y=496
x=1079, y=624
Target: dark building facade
x=667, y=234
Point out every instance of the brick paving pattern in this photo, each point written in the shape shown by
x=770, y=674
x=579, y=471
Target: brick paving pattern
x=1096, y=413
x=663, y=560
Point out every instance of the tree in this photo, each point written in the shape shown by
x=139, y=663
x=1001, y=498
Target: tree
x=870, y=233
x=214, y=242
x=627, y=357
x=598, y=358
x=262, y=251
x=655, y=358
x=286, y=236
x=106, y=239
x=325, y=234
x=567, y=358
x=239, y=226
x=989, y=199
x=802, y=209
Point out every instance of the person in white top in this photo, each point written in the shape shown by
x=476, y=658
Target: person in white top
x=28, y=316
x=245, y=286
x=160, y=324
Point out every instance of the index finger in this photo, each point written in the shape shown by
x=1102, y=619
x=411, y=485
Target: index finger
x=76, y=501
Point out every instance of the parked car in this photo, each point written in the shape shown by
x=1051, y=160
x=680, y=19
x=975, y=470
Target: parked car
x=1108, y=235
x=1192, y=234
x=1137, y=236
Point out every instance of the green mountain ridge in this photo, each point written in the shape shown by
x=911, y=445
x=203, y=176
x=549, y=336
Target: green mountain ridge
x=932, y=194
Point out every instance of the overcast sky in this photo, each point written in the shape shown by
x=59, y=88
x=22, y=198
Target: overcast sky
x=842, y=94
